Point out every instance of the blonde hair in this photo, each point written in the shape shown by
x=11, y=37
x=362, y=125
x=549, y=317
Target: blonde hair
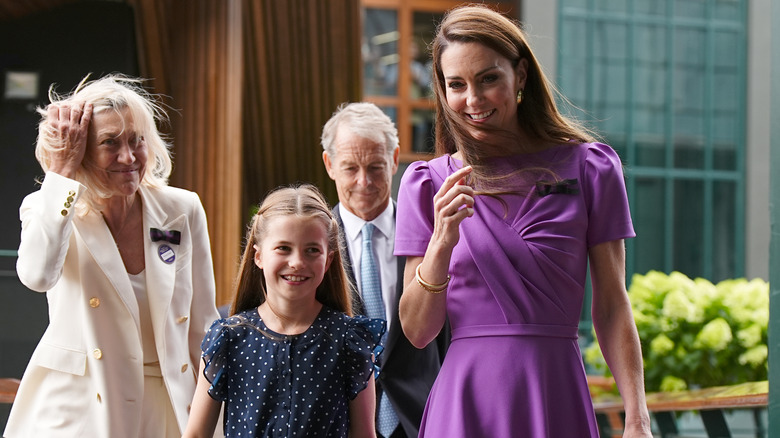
x=114, y=92
x=303, y=201
x=537, y=113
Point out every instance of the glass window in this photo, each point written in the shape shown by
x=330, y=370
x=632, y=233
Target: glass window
x=424, y=28
x=726, y=101
x=725, y=9
x=391, y=112
x=688, y=211
x=380, y=52
x=724, y=242
x=575, y=49
x=664, y=84
x=611, y=6
x=651, y=8
x=422, y=131
x=610, y=73
x=397, y=66
x=690, y=8
x=689, y=97
x=649, y=222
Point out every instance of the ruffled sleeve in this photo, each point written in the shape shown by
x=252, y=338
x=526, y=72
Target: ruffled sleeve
x=215, y=350
x=362, y=339
x=609, y=217
x=414, y=216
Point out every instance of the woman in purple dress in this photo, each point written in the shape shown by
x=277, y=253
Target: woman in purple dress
x=498, y=231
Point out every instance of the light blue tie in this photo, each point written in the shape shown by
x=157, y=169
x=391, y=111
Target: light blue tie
x=371, y=289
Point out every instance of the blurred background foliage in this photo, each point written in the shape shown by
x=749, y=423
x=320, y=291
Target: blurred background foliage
x=696, y=334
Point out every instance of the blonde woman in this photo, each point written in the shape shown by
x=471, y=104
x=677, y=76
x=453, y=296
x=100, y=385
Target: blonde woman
x=125, y=263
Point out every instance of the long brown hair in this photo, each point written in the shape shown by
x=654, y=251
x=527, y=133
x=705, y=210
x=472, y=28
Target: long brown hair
x=537, y=113
x=303, y=200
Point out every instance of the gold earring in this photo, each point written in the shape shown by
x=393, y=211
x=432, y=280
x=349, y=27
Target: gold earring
x=519, y=95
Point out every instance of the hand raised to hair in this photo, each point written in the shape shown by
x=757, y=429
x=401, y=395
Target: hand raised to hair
x=453, y=203
x=68, y=132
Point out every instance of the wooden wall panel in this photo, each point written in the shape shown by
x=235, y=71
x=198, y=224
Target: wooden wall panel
x=207, y=67
x=251, y=82
x=254, y=82
x=302, y=60
x=193, y=50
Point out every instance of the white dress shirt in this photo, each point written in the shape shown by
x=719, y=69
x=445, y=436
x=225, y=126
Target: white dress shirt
x=384, y=243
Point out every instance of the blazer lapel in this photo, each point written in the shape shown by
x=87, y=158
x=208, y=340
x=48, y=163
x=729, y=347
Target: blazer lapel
x=160, y=259
x=101, y=245
x=396, y=330
x=358, y=308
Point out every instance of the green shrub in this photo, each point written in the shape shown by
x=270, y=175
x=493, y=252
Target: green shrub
x=695, y=333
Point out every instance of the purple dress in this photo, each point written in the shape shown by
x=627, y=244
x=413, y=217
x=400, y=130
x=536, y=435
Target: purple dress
x=514, y=368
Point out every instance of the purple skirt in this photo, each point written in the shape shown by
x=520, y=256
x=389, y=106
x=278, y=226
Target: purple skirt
x=486, y=388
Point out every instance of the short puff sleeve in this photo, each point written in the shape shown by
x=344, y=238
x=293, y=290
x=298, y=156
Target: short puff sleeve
x=609, y=216
x=215, y=351
x=362, y=339
x=414, y=215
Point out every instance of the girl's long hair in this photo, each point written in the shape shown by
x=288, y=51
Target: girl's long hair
x=305, y=201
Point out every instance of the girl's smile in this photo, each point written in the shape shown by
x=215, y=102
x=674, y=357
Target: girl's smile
x=294, y=256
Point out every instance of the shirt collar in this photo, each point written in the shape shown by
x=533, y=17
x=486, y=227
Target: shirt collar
x=384, y=223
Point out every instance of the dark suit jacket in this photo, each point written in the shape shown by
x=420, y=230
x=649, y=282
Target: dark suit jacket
x=407, y=372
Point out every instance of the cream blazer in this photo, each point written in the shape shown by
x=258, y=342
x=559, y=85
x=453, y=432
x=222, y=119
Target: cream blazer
x=85, y=377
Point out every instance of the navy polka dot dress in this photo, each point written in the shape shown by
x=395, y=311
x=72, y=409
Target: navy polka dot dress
x=275, y=385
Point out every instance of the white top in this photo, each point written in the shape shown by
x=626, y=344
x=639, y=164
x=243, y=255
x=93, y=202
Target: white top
x=147, y=330
x=383, y=240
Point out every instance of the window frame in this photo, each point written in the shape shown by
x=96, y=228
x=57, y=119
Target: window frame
x=403, y=104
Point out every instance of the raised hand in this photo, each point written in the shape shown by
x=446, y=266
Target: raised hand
x=68, y=132
x=453, y=203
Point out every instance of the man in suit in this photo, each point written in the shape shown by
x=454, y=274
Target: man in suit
x=361, y=152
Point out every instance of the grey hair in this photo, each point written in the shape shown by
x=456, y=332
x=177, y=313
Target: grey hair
x=365, y=120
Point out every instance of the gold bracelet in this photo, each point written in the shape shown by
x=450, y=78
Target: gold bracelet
x=432, y=288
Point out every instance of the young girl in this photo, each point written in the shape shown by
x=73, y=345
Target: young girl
x=291, y=361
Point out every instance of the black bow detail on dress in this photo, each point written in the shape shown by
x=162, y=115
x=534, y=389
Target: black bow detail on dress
x=564, y=187
x=171, y=236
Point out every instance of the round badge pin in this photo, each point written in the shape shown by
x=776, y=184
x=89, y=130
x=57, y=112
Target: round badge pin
x=166, y=254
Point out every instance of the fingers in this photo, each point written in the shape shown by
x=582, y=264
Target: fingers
x=53, y=117
x=453, y=203
x=86, y=116
x=68, y=133
x=65, y=113
x=454, y=194
x=456, y=178
x=452, y=212
x=75, y=115
x=80, y=115
x=69, y=123
x=52, y=113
